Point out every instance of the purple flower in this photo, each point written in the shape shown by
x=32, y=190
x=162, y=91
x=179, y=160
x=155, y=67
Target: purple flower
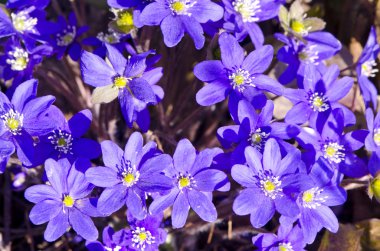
x=145, y=234
x=28, y=24
x=269, y=181
x=288, y=238
x=19, y=63
x=317, y=47
x=66, y=141
x=366, y=68
x=111, y=241
x=66, y=37
x=322, y=192
x=319, y=96
x=334, y=146
x=23, y=117
x=194, y=181
x=129, y=175
x=177, y=16
x=235, y=75
x=241, y=17
x=39, y=4
x=64, y=202
x=128, y=79
x=254, y=130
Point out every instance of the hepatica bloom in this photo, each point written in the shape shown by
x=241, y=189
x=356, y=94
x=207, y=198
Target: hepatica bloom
x=66, y=37
x=288, y=238
x=269, y=183
x=242, y=15
x=235, y=74
x=66, y=141
x=24, y=117
x=126, y=79
x=372, y=141
x=254, y=130
x=296, y=23
x=367, y=68
x=194, y=181
x=323, y=191
x=7, y=148
x=111, y=241
x=64, y=202
x=177, y=16
x=335, y=146
x=128, y=175
x=316, y=47
x=146, y=234
x=319, y=96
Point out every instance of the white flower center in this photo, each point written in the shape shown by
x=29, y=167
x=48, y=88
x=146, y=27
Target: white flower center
x=141, y=238
x=248, y=9
x=23, y=22
x=67, y=36
x=241, y=79
x=312, y=199
x=62, y=141
x=334, y=152
x=318, y=102
x=258, y=138
x=13, y=121
x=270, y=185
x=309, y=54
x=368, y=68
x=129, y=174
x=112, y=37
x=285, y=246
x=181, y=7
x=18, y=59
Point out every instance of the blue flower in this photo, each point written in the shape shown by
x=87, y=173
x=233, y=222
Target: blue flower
x=270, y=181
x=194, y=181
x=320, y=94
x=66, y=36
x=322, y=192
x=366, y=69
x=64, y=203
x=316, y=47
x=129, y=175
x=66, y=141
x=23, y=117
x=333, y=145
x=111, y=241
x=131, y=80
x=235, y=75
x=241, y=17
x=288, y=238
x=254, y=130
x=177, y=16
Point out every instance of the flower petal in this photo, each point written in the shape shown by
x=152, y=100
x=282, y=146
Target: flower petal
x=172, y=30
x=95, y=71
x=44, y=211
x=231, y=51
x=184, y=156
x=202, y=205
x=83, y=225
x=112, y=199
x=56, y=227
x=180, y=211
x=259, y=60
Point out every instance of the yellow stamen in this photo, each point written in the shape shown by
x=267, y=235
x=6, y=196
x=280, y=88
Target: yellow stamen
x=269, y=186
x=330, y=151
x=239, y=79
x=307, y=197
x=184, y=182
x=129, y=178
x=297, y=26
x=142, y=236
x=68, y=201
x=120, y=82
x=12, y=124
x=178, y=6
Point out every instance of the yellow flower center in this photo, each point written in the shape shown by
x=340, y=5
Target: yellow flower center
x=61, y=142
x=68, y=201
x=282, y=248
x=142, y=236
x=184, y=182
x=178, y=6
x=376, y=138
x=12, y=124
x=318, y=102
x=21, y=62
x=124, y=21
x=269, y=186
x=239, y=79
x=331, y=151
x=297, y=26
x=120, y=82
x=256, y=138
x=68, y=38
x=129, y=178
x=307, y=197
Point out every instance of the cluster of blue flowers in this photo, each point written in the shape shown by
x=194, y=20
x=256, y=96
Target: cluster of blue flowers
x=293, y=167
